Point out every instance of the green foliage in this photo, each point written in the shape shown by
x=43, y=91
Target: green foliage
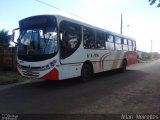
x=153, y=2
x=4, y=38
x=9, y=79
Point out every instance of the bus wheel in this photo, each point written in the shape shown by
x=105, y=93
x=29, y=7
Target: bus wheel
x=86, y=73
x=123, y=66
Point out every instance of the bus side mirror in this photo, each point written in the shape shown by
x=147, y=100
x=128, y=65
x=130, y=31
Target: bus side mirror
x=13, y=36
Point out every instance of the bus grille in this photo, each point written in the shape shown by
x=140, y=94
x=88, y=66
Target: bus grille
x=27, y=67
x=30, y=73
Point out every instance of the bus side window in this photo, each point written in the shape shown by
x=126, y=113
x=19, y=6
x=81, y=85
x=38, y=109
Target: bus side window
x=100, y=41
x=88, y=38
x=134, y=46
x=109, y=42
x=118, y=42
x=73, y=40
x=70, y=38
x=125, y=45
x=63, y=39
x=130, y=45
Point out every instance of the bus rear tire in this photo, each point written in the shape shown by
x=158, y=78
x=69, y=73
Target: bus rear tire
x=123, y=67
x=86, y=72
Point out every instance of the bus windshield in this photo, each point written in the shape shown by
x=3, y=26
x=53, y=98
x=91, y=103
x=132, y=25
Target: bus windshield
x=38, y=41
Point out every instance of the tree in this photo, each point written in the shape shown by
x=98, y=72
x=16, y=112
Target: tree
x=4, y=38
x=153, y=2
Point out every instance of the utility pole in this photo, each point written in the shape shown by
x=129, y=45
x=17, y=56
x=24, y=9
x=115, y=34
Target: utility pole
x=151, y=45
x=121, y=24
x=151, y=51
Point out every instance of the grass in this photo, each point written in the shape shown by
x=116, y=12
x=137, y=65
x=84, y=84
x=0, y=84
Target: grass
x=9, y=79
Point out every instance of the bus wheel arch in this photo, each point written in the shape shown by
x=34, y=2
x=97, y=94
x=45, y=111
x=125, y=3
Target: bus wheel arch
x=87, y=71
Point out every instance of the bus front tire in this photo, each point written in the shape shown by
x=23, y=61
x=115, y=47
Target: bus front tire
x=86, y=73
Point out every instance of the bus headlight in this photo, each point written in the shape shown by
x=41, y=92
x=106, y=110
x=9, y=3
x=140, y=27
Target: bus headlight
x=45, y=67
x=53, y=63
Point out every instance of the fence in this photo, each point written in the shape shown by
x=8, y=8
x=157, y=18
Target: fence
x=7, y=58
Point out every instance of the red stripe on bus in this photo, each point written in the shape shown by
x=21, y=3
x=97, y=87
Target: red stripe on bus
x=52, y=75
x=101, y=63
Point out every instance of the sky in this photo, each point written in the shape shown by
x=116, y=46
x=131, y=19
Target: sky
x=140, y=20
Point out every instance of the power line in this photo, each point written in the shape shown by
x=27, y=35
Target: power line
x=48, y=4
x=57, y=8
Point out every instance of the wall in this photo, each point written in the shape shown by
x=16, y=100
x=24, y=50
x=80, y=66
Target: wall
x=7, y=58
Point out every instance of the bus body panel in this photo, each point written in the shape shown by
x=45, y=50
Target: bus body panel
x=39, y=69
x=71, y=70
x=131, y=57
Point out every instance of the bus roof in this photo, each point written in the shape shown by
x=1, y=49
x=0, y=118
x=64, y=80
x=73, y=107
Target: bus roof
x=61, y=17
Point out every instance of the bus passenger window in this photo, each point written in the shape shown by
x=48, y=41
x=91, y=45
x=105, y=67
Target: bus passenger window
x=118, y=42
x=70, y=42
x=109, y=43
x=63, y=39
x=134, y=46
x=125, y=45
x=73, y=40
x=88, y=38
x=100, y=41
x=130, y=45
x=70, y=38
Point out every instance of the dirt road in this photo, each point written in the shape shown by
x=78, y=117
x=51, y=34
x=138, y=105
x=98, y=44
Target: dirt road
x=136, y=91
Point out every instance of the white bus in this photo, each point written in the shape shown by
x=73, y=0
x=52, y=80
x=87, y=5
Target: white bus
x=54, y=47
